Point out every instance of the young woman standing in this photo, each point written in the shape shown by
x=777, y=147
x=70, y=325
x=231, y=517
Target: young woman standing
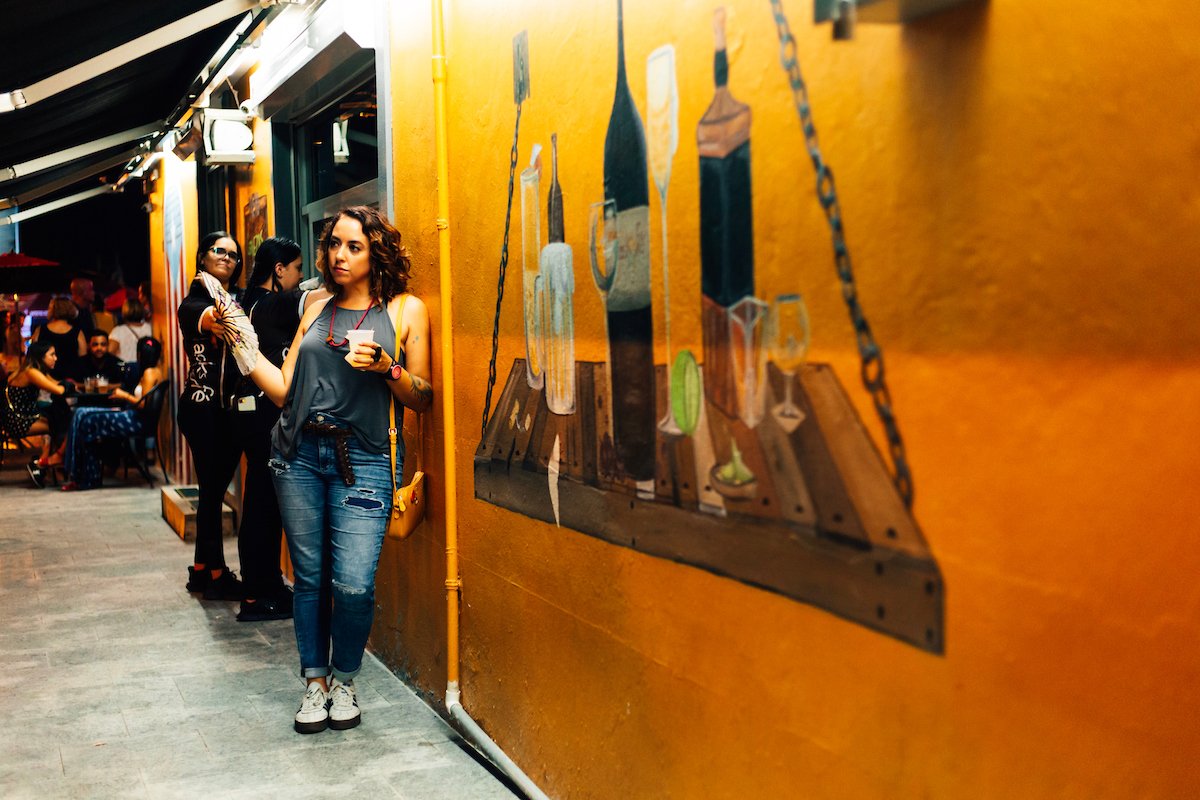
x=203, y=415
x=331, y=462
x=274, y=305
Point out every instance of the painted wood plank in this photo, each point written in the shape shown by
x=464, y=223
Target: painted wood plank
x=666, y=488
x=885, y=519
x=795, y=502
x=890, y=592
x=725, y=431
x=708, y=500
x=535, y=457
x=683, y=454
x=509, y=414
x=585, y=410
x=837, y=517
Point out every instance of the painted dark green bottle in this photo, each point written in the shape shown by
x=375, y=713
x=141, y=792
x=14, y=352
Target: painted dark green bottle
x=726, y=222
x=630, y=322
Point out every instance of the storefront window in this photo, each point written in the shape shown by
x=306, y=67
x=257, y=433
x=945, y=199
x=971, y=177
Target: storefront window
x=343, y=144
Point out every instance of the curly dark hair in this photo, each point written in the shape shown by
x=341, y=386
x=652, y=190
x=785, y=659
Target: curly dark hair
x=390, y=264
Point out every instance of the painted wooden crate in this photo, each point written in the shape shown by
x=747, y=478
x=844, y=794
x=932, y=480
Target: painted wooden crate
x=823, y=525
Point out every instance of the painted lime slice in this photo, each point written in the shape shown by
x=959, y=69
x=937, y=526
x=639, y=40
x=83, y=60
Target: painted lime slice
x=686, y=392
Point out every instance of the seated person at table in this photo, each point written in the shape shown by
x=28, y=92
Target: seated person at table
x=123, y=339
x=91, y=425
x=99, y=361
x=33, y=405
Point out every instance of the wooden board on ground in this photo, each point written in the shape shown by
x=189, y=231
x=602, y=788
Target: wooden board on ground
x=179, y=510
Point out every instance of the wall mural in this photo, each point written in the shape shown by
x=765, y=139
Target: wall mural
x=175, y=258
x=743, y=459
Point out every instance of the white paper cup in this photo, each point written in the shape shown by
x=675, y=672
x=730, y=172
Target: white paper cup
x=359, y=336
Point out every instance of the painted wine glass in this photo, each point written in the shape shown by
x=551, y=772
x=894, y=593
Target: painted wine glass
x=662, y=140
x=788, y=339
x=603, y=251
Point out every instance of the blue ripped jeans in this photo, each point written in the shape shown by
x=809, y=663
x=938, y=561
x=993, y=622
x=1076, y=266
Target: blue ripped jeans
x=334, y=534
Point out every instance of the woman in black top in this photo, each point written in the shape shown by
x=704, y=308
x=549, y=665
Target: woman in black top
x=274, y=304
x=24, y=412
x=212, y=381
x=65, y=335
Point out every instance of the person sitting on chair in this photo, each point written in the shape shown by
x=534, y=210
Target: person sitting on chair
x=33, y=406
x=90, y=425
x=123, y=339
x=99, y=361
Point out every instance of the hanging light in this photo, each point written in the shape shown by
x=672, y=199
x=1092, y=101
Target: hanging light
x=228, y=138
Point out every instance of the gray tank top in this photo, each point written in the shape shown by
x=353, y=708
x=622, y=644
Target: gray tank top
x=324, y=382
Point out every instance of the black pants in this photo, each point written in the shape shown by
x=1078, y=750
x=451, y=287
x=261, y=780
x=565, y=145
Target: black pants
x=215, y=452
x=58, y=415
x=259, y=534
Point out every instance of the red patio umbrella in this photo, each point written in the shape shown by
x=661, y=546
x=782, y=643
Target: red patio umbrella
x=20, y=274
x=22, y=260
x=115, y=300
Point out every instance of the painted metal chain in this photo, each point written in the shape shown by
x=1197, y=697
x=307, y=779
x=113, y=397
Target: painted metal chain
x=868, y=349
x=512, y=172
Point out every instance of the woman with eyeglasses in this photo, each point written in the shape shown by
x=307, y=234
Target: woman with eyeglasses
x=331, y=461
x=203, y=416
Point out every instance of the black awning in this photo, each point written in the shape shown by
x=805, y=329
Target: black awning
x=39, y=40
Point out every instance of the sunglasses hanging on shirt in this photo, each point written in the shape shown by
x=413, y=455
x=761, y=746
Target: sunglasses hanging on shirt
x=333, y=318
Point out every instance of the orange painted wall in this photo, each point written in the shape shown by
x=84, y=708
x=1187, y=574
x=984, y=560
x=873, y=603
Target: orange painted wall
x=254, y=179
x=410, y=628
x=1018, y=181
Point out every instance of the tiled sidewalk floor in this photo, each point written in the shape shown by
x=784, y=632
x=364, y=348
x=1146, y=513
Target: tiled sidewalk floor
x=119, y=684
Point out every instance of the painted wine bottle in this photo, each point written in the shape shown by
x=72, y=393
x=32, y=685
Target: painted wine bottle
x=726, y=224
x=558, y=314
x=630, y=322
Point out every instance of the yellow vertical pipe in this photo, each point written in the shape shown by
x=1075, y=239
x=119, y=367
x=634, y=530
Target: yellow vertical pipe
x=453, y=584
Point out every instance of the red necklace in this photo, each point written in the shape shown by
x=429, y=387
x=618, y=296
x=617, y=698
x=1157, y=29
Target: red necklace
x=333, y=317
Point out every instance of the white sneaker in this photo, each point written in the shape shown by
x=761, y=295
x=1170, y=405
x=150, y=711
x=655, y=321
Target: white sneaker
x=343, y=706
x=313, y=716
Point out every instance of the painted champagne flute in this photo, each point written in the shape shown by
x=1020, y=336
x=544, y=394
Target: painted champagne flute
x=788, y=339
x=662, y=140
x=603, y=250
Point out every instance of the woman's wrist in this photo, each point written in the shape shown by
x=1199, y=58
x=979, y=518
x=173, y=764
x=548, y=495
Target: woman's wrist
x=394, y=370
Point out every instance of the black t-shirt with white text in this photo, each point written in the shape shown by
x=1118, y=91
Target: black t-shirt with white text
x=212, y=375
